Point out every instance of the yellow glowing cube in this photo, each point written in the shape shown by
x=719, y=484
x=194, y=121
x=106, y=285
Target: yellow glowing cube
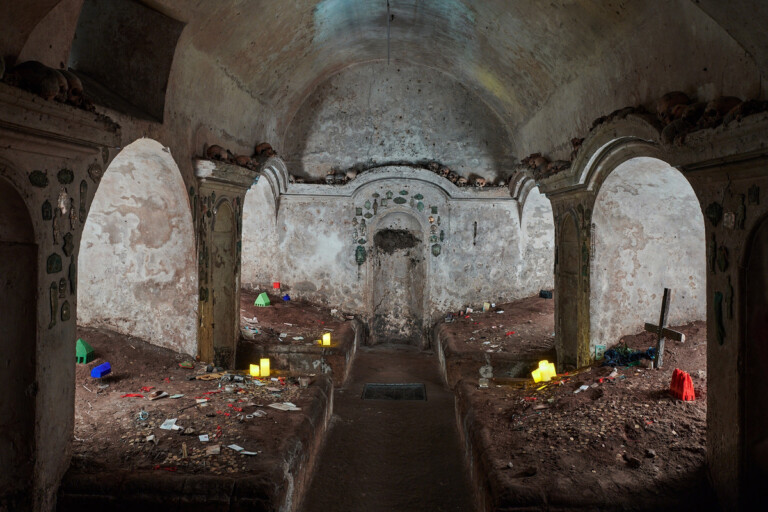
x=544, y=372
x=327, y=339
x=255, y=371
x=264, y=367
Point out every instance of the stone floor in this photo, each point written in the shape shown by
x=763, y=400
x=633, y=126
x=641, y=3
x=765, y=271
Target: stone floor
x=383, y=455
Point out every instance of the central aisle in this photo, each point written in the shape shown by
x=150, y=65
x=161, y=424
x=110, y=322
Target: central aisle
x=386, y=455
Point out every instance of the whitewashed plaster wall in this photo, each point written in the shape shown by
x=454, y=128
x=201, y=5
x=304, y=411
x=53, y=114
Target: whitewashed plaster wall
x=311, y=244
x=648, y=235
x=137, y=255
x=538, y=242
x=375, y=112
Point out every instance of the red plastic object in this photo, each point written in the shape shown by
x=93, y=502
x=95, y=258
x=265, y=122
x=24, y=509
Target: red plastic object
x=147, y=389
x=276, y=285
x=510, y=333
x=132, y=395
x=681, y=386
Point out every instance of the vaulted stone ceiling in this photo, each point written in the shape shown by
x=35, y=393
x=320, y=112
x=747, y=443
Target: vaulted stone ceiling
x=545, y=69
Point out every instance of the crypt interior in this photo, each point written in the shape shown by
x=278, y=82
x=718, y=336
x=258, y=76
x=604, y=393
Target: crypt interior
x=308, y=253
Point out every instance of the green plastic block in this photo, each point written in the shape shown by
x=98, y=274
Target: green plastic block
x=83, y=352
x=262, y=300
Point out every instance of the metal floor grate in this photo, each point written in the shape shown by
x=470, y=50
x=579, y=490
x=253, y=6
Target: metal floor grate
x=394, y=392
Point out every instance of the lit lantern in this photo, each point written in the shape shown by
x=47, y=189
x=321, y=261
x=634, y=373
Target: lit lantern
x=264, y=367
x=544, y=372
x=327, y=339
x=255, y=370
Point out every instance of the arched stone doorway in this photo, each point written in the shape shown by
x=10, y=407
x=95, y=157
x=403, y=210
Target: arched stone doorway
x=647, y=235
x=399, y=281
x=224, y=265
x=18, y=314
x=567, y=299
x=537, y=243
x=755, y=394
x=138, y=246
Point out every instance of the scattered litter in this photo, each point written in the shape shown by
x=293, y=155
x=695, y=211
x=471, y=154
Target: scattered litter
x=147, y=389
x=482, y=383
x=621, y=355
x=286, y=297
x=132, y=395
x=201, y=400
x=143, y=415
x=510, y=333
x=582, y=388
x=500, y=311
x=248, y=453
x=283, y=334
x=203, y=438
x=188, y=365
x=235, y=447
x=157, y=394
x=262, y=300
x=169, y=424
x=298, y=338
x=174, y=397
x=284, y=406
x=150, y=439
x=214, y=449
x=256, y=414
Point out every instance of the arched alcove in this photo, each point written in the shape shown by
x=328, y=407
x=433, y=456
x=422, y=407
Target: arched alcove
x=259, y=237
x=223, y=263
x=537, y=243
x=754, y=393
x=18, y=316
x=137, y=254
x=648, y=234
x=567, y=305
x=398, y=280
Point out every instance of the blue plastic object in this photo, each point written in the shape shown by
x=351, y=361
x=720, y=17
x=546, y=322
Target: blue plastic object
x=286, y=297
x=103, y=369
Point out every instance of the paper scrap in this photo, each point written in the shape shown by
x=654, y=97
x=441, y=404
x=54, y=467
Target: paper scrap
x=235, y=447
x=285, y=406
x=213, y=449
x=298, y=338
x=203, y=438
x=248, y=453
x=169, y=424
x=582, y=388
x=176, y=396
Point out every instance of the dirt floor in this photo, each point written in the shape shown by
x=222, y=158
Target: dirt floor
x=294, y=322
x=524, y=327
x=110, y=432
x=624, y=442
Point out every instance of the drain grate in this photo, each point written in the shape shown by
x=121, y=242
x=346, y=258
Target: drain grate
x=394, y=392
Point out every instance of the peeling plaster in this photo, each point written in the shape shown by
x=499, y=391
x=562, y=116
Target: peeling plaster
x=138, y=268
x=648, y=235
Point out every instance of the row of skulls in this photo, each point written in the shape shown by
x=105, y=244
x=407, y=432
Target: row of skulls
x=260, y=154
x=50, y=84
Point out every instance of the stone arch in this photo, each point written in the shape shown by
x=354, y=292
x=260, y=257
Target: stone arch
x=647, y=235
x=537, y=244
x=260, y=238
x=568, y=287
x=18, y=314
x=398, y=279
x=754, y=398
x=138, y=245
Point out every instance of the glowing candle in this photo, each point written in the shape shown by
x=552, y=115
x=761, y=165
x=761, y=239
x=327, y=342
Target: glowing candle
x=264, y=367
x=255, y=370
x=327, y=339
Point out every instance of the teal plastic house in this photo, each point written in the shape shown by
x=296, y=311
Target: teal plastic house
x=84, y=352
x=262, y=300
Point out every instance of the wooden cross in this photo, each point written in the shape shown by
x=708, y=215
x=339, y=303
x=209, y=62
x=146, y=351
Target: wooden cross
x=662, y=332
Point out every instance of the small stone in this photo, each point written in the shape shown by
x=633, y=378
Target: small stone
x=632, y=462
x=650, y=453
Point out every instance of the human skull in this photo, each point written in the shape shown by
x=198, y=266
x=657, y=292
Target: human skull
x=75, y=92
x=480, y=182
x=666, y=104
x=716, y=110
x=244, y=161
x=462, y=181
x=216, y=152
